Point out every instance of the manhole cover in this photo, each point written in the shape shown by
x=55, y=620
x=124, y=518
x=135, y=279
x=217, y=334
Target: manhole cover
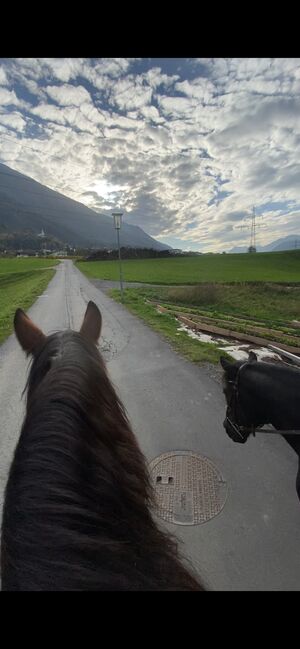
x=189, y=488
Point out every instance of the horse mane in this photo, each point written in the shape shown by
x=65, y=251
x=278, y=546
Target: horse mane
x=77, y=512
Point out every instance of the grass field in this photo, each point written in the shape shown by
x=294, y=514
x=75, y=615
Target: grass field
x=242, y=291
x=237, y=307
x=262, y=301
x=260, y=267
x=196, y=351
x=21, y=281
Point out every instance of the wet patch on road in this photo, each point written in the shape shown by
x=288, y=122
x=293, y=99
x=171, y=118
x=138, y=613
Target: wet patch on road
x=108, y=349
x=237, y=349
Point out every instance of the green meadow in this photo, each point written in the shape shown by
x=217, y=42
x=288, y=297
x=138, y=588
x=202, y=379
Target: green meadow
x=245, y=290
x=21, y=281
x=259, y=267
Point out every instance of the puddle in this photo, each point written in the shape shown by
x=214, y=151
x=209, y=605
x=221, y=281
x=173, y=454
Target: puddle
x=237, y=349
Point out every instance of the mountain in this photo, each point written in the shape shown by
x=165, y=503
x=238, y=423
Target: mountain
x=28, y=205
x=287, y=243
x=290, y=242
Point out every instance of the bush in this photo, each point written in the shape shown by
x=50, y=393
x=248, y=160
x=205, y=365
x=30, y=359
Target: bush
x=202, y=294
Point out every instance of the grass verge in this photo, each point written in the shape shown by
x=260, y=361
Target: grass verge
x=167, y=326
x=19, y=290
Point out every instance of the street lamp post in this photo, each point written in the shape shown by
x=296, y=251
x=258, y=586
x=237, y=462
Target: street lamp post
x=117, y=222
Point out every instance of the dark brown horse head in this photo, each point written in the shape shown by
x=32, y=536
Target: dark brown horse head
x=31, y=337
x=78, y=503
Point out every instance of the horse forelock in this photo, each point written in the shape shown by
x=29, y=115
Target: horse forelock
x=67, y=348
x=68, y=379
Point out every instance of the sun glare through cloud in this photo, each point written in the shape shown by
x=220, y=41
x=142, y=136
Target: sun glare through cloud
x=185, y=147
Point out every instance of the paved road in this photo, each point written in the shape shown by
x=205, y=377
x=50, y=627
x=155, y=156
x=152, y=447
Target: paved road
x=254, y=543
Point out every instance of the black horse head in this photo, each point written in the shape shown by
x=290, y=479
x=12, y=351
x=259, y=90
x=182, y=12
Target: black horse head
x=240, y=419
x=259, y=393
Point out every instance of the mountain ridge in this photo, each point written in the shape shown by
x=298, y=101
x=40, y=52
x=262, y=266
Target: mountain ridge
x=283, y=243
x=26, y=204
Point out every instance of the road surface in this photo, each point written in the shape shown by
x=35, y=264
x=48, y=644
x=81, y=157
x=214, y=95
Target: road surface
x=254, y=542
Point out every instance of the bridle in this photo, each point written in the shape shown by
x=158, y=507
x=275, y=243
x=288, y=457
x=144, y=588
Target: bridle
x=241, y=433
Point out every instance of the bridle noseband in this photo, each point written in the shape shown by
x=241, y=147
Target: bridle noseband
x=241, y=433
x=234, y=430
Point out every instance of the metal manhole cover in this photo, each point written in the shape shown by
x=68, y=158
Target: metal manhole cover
x=188, y=487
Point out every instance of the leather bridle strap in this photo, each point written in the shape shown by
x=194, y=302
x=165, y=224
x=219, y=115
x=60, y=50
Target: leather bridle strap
x=240, y=429
x=276, y=431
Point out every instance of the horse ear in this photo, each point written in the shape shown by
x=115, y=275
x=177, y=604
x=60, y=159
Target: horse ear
x=225, y=363
x=252, y=357
x=92, y=322
x=28, y=334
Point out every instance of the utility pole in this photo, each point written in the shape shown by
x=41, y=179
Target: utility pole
x=253, y=226
x=252, y=247
x=117, y=222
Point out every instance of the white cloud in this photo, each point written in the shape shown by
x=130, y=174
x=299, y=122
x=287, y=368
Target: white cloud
x=15, y=121
x=49, y=112
x=188, y=152
x=9, y=98
x=3, y=77
x=130, y=94
x=155, y=78
x=151, y=113
x=63, y=69
x=176, y=106
x=200, y=89
x=67, y=95
x=113, y=67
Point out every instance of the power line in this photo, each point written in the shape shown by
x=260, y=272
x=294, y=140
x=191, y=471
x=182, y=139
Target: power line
x=21, y=140
x=28, y=191
x=44, y=211
x=41, y=210
x=38, y=151
x=57, y=197
x=27, y=179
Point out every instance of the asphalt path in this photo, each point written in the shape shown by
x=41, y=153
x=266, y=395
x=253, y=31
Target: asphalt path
x=173, y=405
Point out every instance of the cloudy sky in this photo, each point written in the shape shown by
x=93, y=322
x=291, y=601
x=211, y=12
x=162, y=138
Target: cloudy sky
x=185, y=147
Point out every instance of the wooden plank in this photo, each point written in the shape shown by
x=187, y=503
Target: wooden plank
x=288, y=355
x=228, y=333
x=162, y=309
x=253, y=329
x=234, y=334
